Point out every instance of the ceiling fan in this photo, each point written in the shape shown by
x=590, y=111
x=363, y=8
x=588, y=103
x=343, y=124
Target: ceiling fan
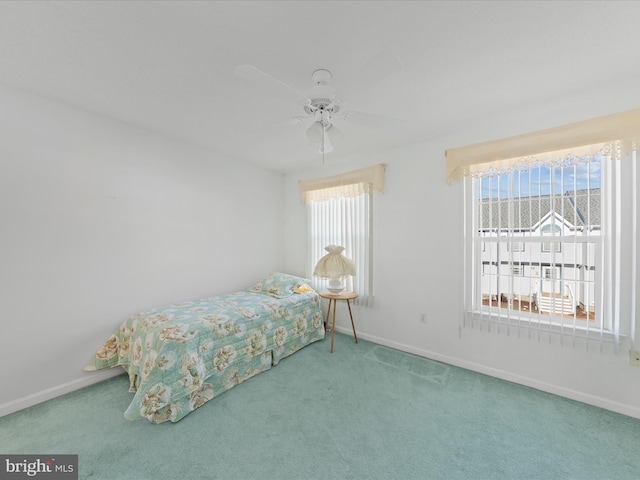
x=319, y=103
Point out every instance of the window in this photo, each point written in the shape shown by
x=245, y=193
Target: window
x=340, y=212
x=518, y=211
x=551, y=273
x=517, y=271
x=516, y=246
x=551, y=230
x=344, y=221
x=573, y=207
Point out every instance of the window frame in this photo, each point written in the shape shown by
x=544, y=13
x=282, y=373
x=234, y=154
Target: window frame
x=355, y=234
x=475, y=244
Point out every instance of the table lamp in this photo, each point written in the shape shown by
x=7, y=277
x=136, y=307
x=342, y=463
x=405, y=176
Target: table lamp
x=334, y=266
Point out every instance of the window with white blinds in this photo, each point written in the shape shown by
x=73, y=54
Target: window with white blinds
x=551, y=250
x=340, y=212
x=551, y=243
x=344, y=221
x=542, y=258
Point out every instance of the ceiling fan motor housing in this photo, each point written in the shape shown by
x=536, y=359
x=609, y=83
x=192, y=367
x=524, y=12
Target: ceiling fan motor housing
x=321, y=76
x=321, y=97
x=321, y=105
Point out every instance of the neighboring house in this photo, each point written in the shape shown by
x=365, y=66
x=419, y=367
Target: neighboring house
x=542, y=249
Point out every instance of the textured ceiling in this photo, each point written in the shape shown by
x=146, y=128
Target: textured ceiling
x=168, y=66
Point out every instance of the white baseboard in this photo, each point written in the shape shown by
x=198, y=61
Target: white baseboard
x=504, y=375
x=51, y=393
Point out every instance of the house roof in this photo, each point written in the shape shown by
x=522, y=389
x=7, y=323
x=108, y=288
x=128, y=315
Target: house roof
x=579, y=208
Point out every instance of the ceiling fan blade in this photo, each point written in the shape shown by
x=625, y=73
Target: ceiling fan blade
x=373, y=72
x=262, y=79
x=294, y=121
x=289, y=124
x=370, y=120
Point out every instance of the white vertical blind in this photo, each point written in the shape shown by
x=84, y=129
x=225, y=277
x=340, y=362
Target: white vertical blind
x=340, y=212
x=551, y=249
x=585, y=254
x=345, y=221
x=635, y=260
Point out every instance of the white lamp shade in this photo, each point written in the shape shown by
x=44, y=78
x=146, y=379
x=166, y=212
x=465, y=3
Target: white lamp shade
x=326, y=146
x=333, y=264
x=315, y=132
x=319, y=135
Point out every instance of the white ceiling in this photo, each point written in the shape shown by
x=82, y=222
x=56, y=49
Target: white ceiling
x=168, y=66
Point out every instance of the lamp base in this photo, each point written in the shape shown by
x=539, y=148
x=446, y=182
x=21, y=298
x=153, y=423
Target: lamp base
x=335, y=286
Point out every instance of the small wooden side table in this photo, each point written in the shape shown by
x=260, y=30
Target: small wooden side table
x=333, y=298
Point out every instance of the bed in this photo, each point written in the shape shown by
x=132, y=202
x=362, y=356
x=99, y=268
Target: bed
x=181, y=356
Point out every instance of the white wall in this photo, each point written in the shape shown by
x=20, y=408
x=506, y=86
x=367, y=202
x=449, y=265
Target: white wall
x=418, y=264
x=99, y=220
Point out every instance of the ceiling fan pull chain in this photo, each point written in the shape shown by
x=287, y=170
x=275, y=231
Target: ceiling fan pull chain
x=323, y=134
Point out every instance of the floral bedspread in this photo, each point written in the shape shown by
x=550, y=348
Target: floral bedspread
x=181, y=356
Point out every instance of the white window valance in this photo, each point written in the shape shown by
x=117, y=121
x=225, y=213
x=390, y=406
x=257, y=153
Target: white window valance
x=344, y=185
x=585, y=138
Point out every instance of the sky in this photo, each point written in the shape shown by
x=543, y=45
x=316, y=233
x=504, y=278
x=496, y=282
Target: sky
x=542, y=180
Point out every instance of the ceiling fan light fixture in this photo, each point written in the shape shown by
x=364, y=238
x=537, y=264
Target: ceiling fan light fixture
x=315, y=132
x=326, y=148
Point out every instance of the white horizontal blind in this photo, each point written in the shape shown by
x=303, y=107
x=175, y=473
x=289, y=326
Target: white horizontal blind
x=347, y=221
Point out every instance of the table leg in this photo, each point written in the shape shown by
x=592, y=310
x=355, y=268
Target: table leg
x=326, y=320
x=333, y=327
x=352, y=324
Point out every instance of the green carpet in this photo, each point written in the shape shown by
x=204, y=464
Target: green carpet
x=363, y=412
